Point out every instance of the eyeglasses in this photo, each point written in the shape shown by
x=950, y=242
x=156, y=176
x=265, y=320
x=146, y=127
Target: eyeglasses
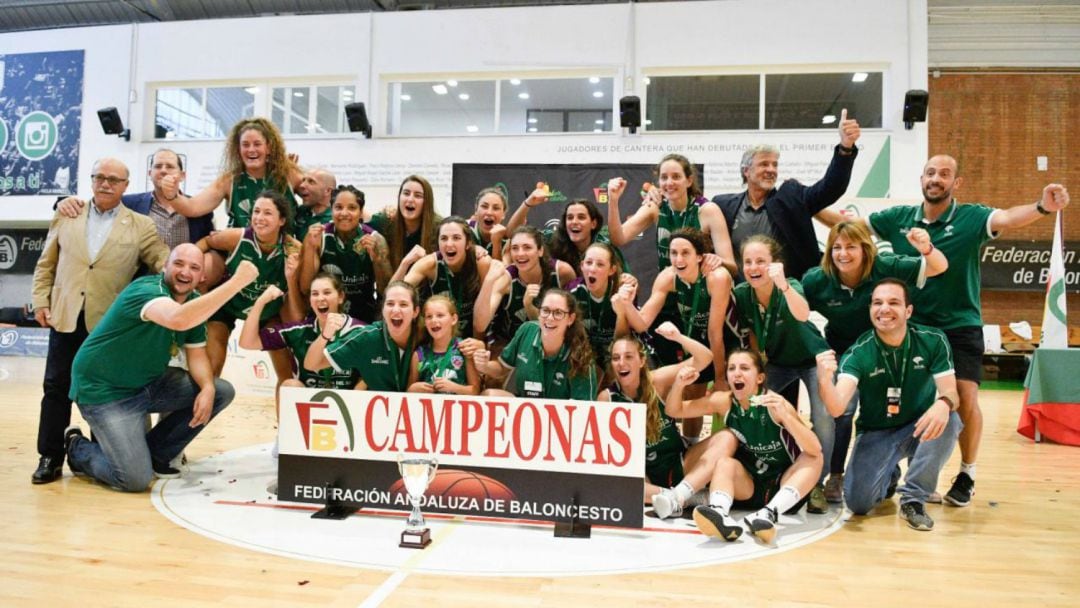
x=100, y=179
x=555, y=313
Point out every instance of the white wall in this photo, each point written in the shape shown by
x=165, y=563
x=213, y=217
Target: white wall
x=627, y=41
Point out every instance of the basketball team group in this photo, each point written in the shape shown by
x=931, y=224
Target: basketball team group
x=399, y=299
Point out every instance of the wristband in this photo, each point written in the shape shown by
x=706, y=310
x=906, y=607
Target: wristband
x=325, y=338
x=930, y=251
x=1042, y=210
x=948, y=402
x=786, y=290
x=846, y=150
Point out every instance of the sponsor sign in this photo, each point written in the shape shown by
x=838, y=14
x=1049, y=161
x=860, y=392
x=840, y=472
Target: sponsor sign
x=1025, y=266
x=24, y=342
x=516, y=458
x=20, y=249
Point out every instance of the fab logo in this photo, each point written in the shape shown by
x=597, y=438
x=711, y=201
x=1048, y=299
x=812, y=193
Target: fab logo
x=325, y=423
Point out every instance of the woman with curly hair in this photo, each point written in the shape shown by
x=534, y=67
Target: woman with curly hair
x=550, y=358
x=580, y=225
x=254, y=160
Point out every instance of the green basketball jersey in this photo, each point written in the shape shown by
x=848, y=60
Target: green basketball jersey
x=663, y=457
x=350, y=263
x=449, y=365
x=670, y=221
x=245, y=189
x=271, y=272
x=598, y=318
x=773, y=449
x=297, y=337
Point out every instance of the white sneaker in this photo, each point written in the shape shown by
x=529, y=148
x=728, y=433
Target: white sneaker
x=666, y=504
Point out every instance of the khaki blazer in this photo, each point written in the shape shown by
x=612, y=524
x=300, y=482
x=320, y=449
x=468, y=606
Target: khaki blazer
x=67, y=281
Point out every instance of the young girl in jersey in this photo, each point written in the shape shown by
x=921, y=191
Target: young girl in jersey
x=487, y=220
x=380, y=352
x=676, y=202
x=672, y=473
x=454, y=270
x=509, y=299
x=351, y=251
x=267, y=244
x=695, y=301
x=409, y=228
x=776, y=312
x=438, y=365
x=777, y=459
x=598, y=294
x=550, y=357
x=840, y=290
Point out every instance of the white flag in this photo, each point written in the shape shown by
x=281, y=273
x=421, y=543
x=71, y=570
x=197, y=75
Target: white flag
x=1055, y=327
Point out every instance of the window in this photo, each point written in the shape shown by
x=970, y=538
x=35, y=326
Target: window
x=791, y=101
x=200, y=113
x=814, y=101
x=206, y=112
x=717, y=103
x=505, y=106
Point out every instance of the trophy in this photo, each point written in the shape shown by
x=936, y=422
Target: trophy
x=417, y=473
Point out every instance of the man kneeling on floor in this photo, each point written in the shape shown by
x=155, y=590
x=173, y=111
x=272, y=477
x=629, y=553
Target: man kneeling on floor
x=122, y=373
x=907, y=406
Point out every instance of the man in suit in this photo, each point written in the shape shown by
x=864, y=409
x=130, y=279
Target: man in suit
x=87, y=260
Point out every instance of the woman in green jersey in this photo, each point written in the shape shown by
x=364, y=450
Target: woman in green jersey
x=672, y=473
x=409, y=227
x=776, y=461
x=438, y=365
x=599, y=293
x=487, y=220
x=840, y=291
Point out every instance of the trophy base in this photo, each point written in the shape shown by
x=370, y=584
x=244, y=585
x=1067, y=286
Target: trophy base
x=415, y=540
x=335, y=512
x=572, y=529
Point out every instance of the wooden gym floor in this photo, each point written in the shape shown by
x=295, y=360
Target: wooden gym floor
x=76, y=543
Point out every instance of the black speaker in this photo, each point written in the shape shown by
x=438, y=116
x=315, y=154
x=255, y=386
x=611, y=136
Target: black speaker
x=915, y=102
x=357, y=117
x=112, y=124
x=630, y=112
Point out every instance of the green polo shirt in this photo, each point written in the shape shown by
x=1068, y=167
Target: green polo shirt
x=787, y=342
x=538, y=376
x=913, y=366
x=951, y=299
x=369, y=350
x=848, y=310
x=305, y=219
x=125, y=352
x=297, y=337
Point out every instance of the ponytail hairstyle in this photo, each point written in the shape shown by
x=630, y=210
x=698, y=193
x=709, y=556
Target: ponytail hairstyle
x=577, y=339
x=546, y=265
x=613, y=259
x=693, y=192
x=646, y=390
x=470, y=273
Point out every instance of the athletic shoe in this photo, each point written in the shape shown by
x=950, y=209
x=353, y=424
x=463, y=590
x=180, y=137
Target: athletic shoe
x=71, y=434
x=963, y=488
x=762, y=524
x=818, y=504
x=666, y=504
x=834, y=488
x=715, y=523
x=934, y=498
x=915, y=515
x=164, y=471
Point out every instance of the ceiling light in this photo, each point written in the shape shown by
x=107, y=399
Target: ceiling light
x=594, y=79
x=298, y=94
x=346, y=93
x=599, y=121
x=515, y=81
x=646, y=80
x=463, y=96
x=859, y=77
x=472, y=128
x=405, y=97
x=533, y=121
x=523, y=95
x=452, y=83
x=440, y=89
x=531, y=130
x=597, y=94
x=648, y=121
x=597, y=130
x=251, y=90
x=828, y=119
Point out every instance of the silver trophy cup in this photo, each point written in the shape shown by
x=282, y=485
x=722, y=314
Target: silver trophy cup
x=417, y=474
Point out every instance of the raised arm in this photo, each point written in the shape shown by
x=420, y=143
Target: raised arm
x=674, y=406
x=622, y=233
x=310, y=254
x=315, y=359
x=415, y=255
x=836, y=393
x=494, y=288
x=205, y=201
x=1054, y=198
x=379, y=252
x=640, y=320
x=784, y=414
x=712, y=219
x=249, y=332
x=936, y=262
x=521, y=214
x=182, y=317
x=422, y=271
x=796, y=303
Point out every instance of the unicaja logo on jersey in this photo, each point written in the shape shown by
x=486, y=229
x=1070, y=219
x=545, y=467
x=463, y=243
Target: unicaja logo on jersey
x=325, y=423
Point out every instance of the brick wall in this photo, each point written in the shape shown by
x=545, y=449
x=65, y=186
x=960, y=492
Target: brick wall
x=995, y=124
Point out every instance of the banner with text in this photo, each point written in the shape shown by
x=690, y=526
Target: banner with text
x=497, y=457
x=40, y=122
x=1025, y=266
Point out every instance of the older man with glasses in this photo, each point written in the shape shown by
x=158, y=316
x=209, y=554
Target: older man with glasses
x=87, y=260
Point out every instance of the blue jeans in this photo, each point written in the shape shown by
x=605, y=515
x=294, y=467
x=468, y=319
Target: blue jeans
x=785, y=380
x=876, y=455
x=123, y=452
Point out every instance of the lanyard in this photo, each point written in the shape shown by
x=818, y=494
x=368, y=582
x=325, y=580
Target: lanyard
x=401, y=370
x=688, y=322
x=763, y=325
x=439, y=365
x=892, y=368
